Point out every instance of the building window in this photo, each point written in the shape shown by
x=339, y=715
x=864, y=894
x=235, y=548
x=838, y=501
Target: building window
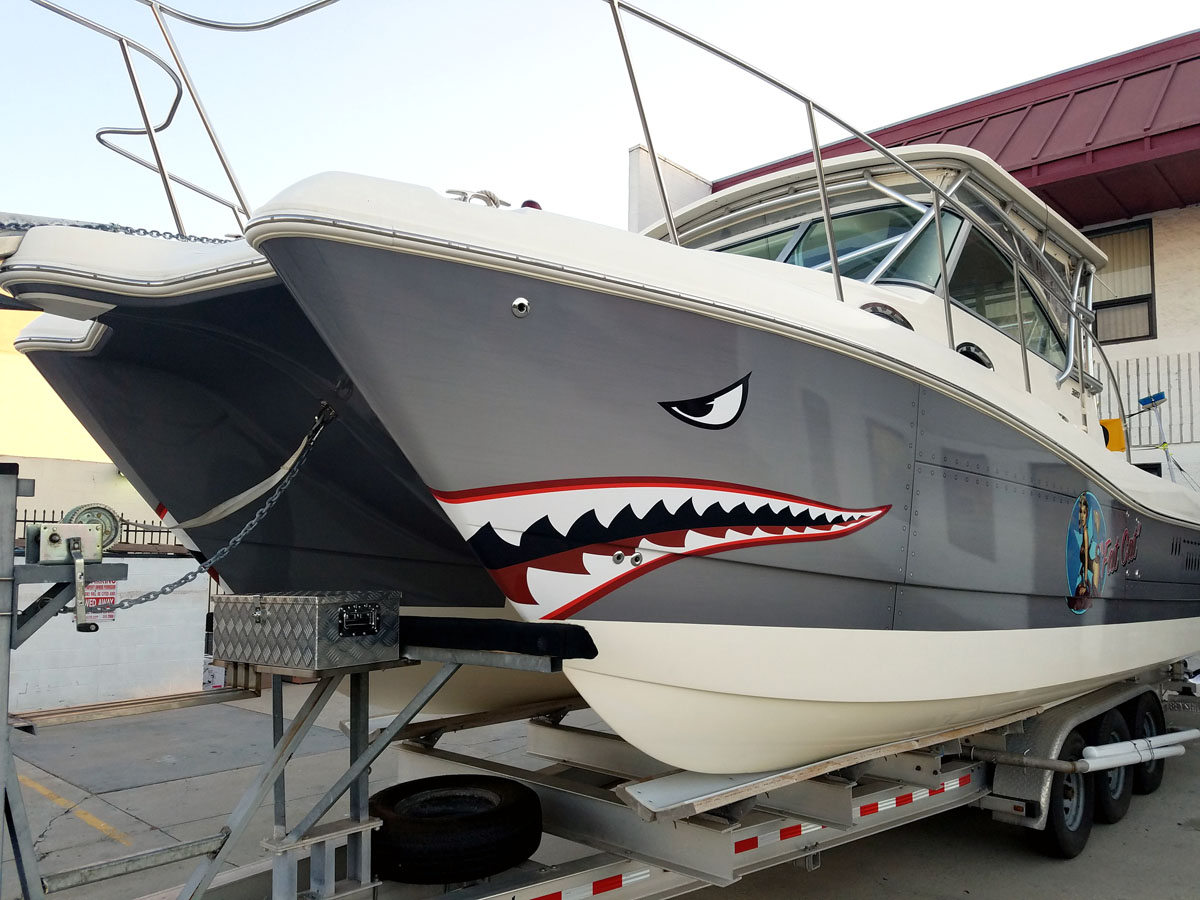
x=1123, y=291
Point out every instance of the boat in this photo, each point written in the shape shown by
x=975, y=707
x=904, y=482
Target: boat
x=800, y=514
x=816, y=461
x=192, y=367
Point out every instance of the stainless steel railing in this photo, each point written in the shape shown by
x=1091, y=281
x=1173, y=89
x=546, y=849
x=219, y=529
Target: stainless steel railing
x=1074, y=300
x=239, y=207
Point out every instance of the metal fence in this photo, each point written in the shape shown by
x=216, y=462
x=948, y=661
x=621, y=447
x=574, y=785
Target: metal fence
x=1175, y=374
x=148, y=538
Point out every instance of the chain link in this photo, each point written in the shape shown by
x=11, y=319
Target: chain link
x=123, y=229
x=326, y=416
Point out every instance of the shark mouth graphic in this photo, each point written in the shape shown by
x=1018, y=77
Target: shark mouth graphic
x=561, y=545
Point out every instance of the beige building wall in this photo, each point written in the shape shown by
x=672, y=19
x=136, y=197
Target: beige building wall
x=33, y=421
x=1169, y=362
x=1175, y=236
x=40, y=434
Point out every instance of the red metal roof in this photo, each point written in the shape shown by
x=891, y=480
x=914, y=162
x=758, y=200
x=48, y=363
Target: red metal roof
x=1105, y=141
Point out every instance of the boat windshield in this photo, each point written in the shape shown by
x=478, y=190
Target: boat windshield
x=898, y=245
x=865, y=239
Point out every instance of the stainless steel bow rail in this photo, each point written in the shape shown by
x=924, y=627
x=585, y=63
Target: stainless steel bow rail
x=239, y=207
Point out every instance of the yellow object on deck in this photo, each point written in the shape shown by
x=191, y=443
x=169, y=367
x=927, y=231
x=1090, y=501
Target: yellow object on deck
x=1114, y=434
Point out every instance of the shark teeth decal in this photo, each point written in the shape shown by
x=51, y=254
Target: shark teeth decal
x=559, y=546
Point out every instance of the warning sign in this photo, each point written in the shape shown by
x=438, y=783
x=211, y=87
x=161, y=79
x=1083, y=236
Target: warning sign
x=100, y=601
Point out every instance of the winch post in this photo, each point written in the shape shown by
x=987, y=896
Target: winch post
x=16, y=823
x=15, y=628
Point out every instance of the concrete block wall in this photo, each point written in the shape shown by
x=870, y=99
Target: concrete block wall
x=150, y=650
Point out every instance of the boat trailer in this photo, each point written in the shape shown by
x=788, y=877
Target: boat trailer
x=653, y=831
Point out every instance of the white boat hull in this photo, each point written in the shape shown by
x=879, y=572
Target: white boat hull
x=745, y=699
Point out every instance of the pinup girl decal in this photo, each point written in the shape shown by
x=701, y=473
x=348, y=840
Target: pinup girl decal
x=1085, y=569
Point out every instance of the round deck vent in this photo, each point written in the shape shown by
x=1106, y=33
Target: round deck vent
x=975, y=353
x=886, y=312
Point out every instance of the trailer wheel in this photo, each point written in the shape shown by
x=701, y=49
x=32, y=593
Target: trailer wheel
x=1072, y=798
x=1146, y=720
x=453, y=828
x=1114, y=787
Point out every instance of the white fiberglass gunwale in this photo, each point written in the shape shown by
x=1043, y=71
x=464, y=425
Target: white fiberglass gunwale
x=60, y=334
x=789, y=300
x=129, y=265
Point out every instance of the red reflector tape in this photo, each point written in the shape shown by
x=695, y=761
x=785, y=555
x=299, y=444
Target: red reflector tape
x=604, y=885
x=774, y=837
x=869, y=809
x=594, y=888
x=744, y=845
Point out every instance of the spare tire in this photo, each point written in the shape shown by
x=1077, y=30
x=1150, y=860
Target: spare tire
x=453, y=828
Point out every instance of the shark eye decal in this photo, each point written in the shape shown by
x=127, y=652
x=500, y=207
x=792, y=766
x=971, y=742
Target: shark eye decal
x=717, y=410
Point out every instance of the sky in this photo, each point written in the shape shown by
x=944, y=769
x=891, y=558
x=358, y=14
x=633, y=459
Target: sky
x=528, y=98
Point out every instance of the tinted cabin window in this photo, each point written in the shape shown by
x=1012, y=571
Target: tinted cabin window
x=766, y=247
x=863, y=239
x=984, y=282
x=918, y=264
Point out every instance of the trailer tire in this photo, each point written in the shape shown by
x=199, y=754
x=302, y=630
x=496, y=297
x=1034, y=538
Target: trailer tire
x=1145, y=717
x=453, y=828
x=1114, y=787
x=1072, y=800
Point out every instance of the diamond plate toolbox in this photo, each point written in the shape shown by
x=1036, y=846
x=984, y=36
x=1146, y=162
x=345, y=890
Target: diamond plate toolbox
x=308, y=630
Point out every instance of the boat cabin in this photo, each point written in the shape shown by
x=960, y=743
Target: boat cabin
x=1018, y=275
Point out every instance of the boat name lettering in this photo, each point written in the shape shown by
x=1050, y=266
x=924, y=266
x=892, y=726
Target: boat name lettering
x=1122, y=551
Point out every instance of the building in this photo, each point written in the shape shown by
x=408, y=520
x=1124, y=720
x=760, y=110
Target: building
x=1113, y=146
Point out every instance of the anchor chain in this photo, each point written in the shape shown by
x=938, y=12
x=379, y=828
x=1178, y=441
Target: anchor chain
x=123, y=229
